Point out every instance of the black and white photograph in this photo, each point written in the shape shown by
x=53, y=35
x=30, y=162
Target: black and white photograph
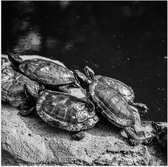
x=84, y=83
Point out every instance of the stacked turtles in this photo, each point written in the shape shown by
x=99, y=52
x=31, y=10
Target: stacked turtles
x=62, y=109
x=55, y=90
x=12, y=85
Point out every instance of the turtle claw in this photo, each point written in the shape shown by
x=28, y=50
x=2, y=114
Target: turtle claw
x=25, y=113
x=142, y=108
x=78, y=136
x=148, y=140
x=133, y=142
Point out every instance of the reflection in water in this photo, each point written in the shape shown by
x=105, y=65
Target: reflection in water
x=123, y=40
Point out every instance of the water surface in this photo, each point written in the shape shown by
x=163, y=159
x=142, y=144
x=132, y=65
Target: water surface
x=123, y=40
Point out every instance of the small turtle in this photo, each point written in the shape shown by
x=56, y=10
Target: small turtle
x=45, y=72
x=113, y=105
x=64, y=111
x=12, y=86
x=160, y=134
x=125, y=90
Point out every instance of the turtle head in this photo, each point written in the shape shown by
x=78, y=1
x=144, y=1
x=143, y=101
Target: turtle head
x=89, y=72
x=81, y=79
x=33, y=92
x=156, y=127
x=160, y=134
x=15, y=59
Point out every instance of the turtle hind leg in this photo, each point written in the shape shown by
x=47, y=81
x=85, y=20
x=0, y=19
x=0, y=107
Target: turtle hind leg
x=145, y=140
x=133, y=138
x=136, y=138
x=78, y=136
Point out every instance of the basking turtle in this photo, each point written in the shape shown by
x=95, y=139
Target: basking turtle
x=63, y=111
x=113, y=105
x=43, y=71
x=125, y=90
x=12, y=88
x=160, y=134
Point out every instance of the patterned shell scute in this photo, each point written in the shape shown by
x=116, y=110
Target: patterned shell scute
x=65, y=112
x=46, y=72
x=119, y=86
x=12, y=85
x=113, y=106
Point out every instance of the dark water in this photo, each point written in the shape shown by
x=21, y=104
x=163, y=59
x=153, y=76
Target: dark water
x=122, y=40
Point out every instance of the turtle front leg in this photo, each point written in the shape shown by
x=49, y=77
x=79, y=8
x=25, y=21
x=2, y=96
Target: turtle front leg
x=78, y=135
x=142, y=108
x=25, y=110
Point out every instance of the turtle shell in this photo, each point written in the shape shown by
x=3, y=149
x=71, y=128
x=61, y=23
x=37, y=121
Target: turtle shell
x=125, y=90
x=112, y=105
x=46, y=72
x=65, y=111
x=12, y=86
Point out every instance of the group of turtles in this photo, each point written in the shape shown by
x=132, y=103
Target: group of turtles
x=71, y=100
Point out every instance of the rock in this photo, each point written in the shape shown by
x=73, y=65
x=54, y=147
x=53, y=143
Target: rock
x=30, y=141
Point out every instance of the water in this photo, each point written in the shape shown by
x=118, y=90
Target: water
x=123, y=40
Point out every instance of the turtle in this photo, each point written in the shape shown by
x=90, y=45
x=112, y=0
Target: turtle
x=46, y=72
x=160, y=134
x=12, y=88
x=113, y=106
x=63, y=111
x=125, y=90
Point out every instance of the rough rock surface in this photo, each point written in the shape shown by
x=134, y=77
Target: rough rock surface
x=30, y=141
